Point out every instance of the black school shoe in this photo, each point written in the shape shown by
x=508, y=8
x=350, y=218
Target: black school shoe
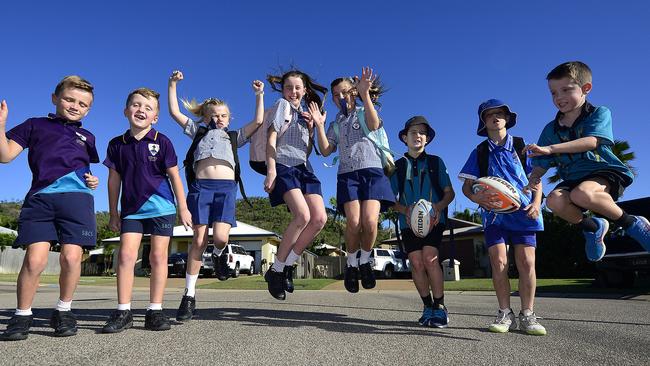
x=18, y=328
x=187, y=310
x=118, y=321
x=351, y=279
x=156, y=320
x=367, y=276
x=288, y=278
x=275, y=282
x=64, y=323
x=221, y=268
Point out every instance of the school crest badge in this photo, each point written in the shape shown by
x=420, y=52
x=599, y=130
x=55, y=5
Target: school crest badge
x=153, y=149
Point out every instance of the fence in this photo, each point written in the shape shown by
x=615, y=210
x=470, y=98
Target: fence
x=329, y=267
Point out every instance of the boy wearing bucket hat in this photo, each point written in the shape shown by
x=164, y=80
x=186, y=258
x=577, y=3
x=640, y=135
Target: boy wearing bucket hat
x=579, y=143
x=502, y=155
x=419, y=175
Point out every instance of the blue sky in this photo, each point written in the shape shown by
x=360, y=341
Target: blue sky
x=440, y=60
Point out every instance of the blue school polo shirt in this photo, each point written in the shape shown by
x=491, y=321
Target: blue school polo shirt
x=503, y=162
x=142, y=165
x=593, y=121
x=60, y=153
x=417, y=184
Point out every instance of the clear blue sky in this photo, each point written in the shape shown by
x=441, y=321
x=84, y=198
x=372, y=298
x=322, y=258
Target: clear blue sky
x=440, y=61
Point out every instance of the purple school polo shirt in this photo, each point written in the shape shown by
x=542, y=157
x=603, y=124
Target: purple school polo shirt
x=142, y=166
x=57, y=147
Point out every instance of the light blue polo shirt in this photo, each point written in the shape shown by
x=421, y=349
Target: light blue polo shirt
x=596, y=122
x=417, y=184
x=503, y=162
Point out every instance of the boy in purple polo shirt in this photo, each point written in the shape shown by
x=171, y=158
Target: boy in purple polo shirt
x=59, y=207
x=140, y=161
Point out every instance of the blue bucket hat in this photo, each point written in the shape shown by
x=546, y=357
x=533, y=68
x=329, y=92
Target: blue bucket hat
x=491, y=104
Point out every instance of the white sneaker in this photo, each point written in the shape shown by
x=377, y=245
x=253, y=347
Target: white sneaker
x=529, y=324
x=503, y=322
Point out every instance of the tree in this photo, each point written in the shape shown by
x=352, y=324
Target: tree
x=467, y=215
x=620, y=149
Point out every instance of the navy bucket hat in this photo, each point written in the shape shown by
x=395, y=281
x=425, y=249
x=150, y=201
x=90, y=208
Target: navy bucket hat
x=491, y=104
x=418, y=120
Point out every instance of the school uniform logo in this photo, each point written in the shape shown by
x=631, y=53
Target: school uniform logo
x=356, y=125
x=81, y=139
x=153, y=149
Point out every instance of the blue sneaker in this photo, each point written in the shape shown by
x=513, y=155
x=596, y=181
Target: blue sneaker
x=640, y=231
x=440, y=317
x=427, y=317
x=594, y=245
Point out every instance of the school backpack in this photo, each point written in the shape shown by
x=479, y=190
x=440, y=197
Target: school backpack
x=188, y=163
x=378, y=137
x=483, y=149
x=259, y=138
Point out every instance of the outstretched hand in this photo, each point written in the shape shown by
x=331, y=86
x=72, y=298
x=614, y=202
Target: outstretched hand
x=176, y=76
x=366, y=81
x=534, y=150
x=316, y=116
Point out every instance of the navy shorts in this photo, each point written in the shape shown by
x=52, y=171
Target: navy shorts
x=212, y=200
x=64, y=218
x=413, y=243
x=363, y=185
x=496, y=235
x=161, y=225
x=292, y=177
x=616, y=183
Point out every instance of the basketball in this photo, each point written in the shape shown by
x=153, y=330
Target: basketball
x=421, y=216
x=508, y=197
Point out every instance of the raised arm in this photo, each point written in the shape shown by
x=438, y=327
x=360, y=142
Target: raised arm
x=172, y=99
x=363, y=87
x=252, y=126
x=269, y=182
x=9, y=149
x=580, y=145
x=319, y=122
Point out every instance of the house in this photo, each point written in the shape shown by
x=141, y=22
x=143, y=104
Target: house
x=259, y=243
x=466, y=245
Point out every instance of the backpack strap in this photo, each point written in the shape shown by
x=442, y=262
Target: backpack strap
x=188, y=163
x=483, y=153
x=519, y=145
x=433, y=165
x=232, y=135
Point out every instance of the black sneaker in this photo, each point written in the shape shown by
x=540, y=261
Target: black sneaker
x=367, y=276
x=64, y=323
x=288, y=278
x=156, y=320
x=187, y=310
x=221, y=268
x=18, y=328
x=275, y=281
x=118, y=321
x=351, y=279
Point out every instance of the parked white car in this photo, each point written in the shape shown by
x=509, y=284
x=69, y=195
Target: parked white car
x=388, y=262
x=238, y=260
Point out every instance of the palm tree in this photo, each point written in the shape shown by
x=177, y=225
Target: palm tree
x=619, y=149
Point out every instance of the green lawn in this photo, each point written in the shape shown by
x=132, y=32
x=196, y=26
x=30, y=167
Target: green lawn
x=50, y=279
x=562, y=285
x=257, y=283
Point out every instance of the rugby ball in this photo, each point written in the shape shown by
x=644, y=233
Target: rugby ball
x=508, y=197
x=420, y=218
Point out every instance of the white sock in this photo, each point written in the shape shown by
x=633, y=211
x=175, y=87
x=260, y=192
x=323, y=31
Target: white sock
x=190, y=284
x=527, y=312
x=352, y=259
x=154, y=306
x=218, y=251
x=278, y=266
x=506, y=310
x=126, y=306
x=365, y=257
x=63, y=305
x=26, y=312
x=291, y=258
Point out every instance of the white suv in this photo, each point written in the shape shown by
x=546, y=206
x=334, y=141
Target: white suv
x=238, y=260
x=387, y=262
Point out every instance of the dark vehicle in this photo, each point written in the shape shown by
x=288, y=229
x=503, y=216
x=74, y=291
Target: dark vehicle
x=625, y=259
x=176, y=264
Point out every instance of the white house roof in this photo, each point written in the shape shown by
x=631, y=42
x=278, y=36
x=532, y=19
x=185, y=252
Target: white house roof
x=242, y=230
x=4, y=230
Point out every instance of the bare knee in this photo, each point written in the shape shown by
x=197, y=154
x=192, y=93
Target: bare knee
x=417, y=265
x=353, y=224
x=526, y=264
x=70, y=258
x=127, y=258
x=556, y=201
x=34, y=264
x=499, y=263
x=301, y=219
x=369, y=224
x=158, y=258
x=431, y=263
x=581, y=197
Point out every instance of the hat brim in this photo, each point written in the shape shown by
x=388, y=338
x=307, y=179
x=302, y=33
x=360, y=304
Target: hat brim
x=481, y=130
x=431, y=134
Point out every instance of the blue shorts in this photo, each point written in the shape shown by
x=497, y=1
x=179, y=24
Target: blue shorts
x=292, y=177
x=212, y=200
x=496, y=235
x=161, y=225
x=363, y=185
x=64, y=218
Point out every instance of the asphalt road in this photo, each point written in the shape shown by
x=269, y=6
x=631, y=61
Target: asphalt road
x=333, y=328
